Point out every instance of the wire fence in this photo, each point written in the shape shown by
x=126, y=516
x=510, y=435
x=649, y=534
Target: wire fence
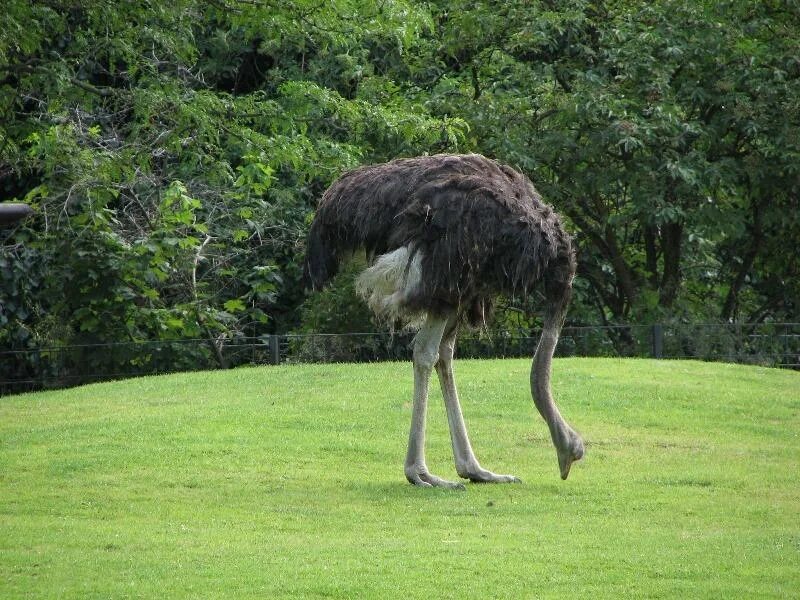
x=769, y=344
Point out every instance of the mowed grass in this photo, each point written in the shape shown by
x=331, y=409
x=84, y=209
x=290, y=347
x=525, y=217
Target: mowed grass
x=287, y=482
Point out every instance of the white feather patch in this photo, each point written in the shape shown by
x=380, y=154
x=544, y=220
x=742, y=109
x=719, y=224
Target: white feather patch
x=387, y=284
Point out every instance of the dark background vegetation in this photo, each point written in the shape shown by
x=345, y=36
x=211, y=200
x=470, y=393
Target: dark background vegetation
x=174, y=153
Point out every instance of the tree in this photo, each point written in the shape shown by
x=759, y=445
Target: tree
x=641, y=122
x=174, y=153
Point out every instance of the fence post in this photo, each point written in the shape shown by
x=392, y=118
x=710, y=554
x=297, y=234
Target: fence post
x=274, y=349
x=658, y=340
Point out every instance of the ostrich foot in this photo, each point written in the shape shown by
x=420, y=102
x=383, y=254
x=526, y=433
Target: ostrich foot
x=419, y=475
x=477, y=474
x=572, y=451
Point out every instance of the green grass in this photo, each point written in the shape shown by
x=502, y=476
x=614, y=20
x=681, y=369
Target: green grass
x=288, y=482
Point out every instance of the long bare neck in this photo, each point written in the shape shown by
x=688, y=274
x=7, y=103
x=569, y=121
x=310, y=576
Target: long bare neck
x=568, y=443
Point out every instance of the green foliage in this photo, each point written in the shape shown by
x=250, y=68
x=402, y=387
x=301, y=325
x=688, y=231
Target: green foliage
x=337, y=309
x=668, y=133
x=174, y=153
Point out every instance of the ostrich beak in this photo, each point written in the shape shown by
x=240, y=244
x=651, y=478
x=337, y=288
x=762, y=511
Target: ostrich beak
x=564, y=464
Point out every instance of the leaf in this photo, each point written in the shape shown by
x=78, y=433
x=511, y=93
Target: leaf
x=233, y=306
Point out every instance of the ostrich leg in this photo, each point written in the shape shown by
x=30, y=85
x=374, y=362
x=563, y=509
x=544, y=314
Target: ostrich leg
x=467, y=465
x=569, y=445
x=426, y=344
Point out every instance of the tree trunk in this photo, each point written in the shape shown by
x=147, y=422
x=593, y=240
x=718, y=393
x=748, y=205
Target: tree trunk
x=605, y=240
x=651, y=254
x=625, y=276
x=731, y=306
x=671, y=239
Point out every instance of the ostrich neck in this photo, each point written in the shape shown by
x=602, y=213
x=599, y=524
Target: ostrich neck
x=540, y=388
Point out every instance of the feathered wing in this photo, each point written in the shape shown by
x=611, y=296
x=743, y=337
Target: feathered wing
x=477, y=228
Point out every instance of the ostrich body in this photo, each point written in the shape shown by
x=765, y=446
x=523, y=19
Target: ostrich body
x=445, y=235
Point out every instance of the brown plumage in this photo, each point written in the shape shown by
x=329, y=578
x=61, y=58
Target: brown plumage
x=480, y=226
x=445, y=235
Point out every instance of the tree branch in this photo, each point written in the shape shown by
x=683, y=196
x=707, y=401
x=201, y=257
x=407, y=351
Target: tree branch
x=105, y=92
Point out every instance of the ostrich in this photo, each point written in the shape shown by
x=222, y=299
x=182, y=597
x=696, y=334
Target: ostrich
x=445, y=234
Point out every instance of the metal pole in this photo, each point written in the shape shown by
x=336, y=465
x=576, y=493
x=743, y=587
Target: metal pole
x=11, y=212
x=274, y=349
x=658, y=340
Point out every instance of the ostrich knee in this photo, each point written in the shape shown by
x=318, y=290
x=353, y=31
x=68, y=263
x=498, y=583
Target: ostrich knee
x=425, y=357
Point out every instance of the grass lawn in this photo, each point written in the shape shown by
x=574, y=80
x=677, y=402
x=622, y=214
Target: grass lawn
x=288, y=482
